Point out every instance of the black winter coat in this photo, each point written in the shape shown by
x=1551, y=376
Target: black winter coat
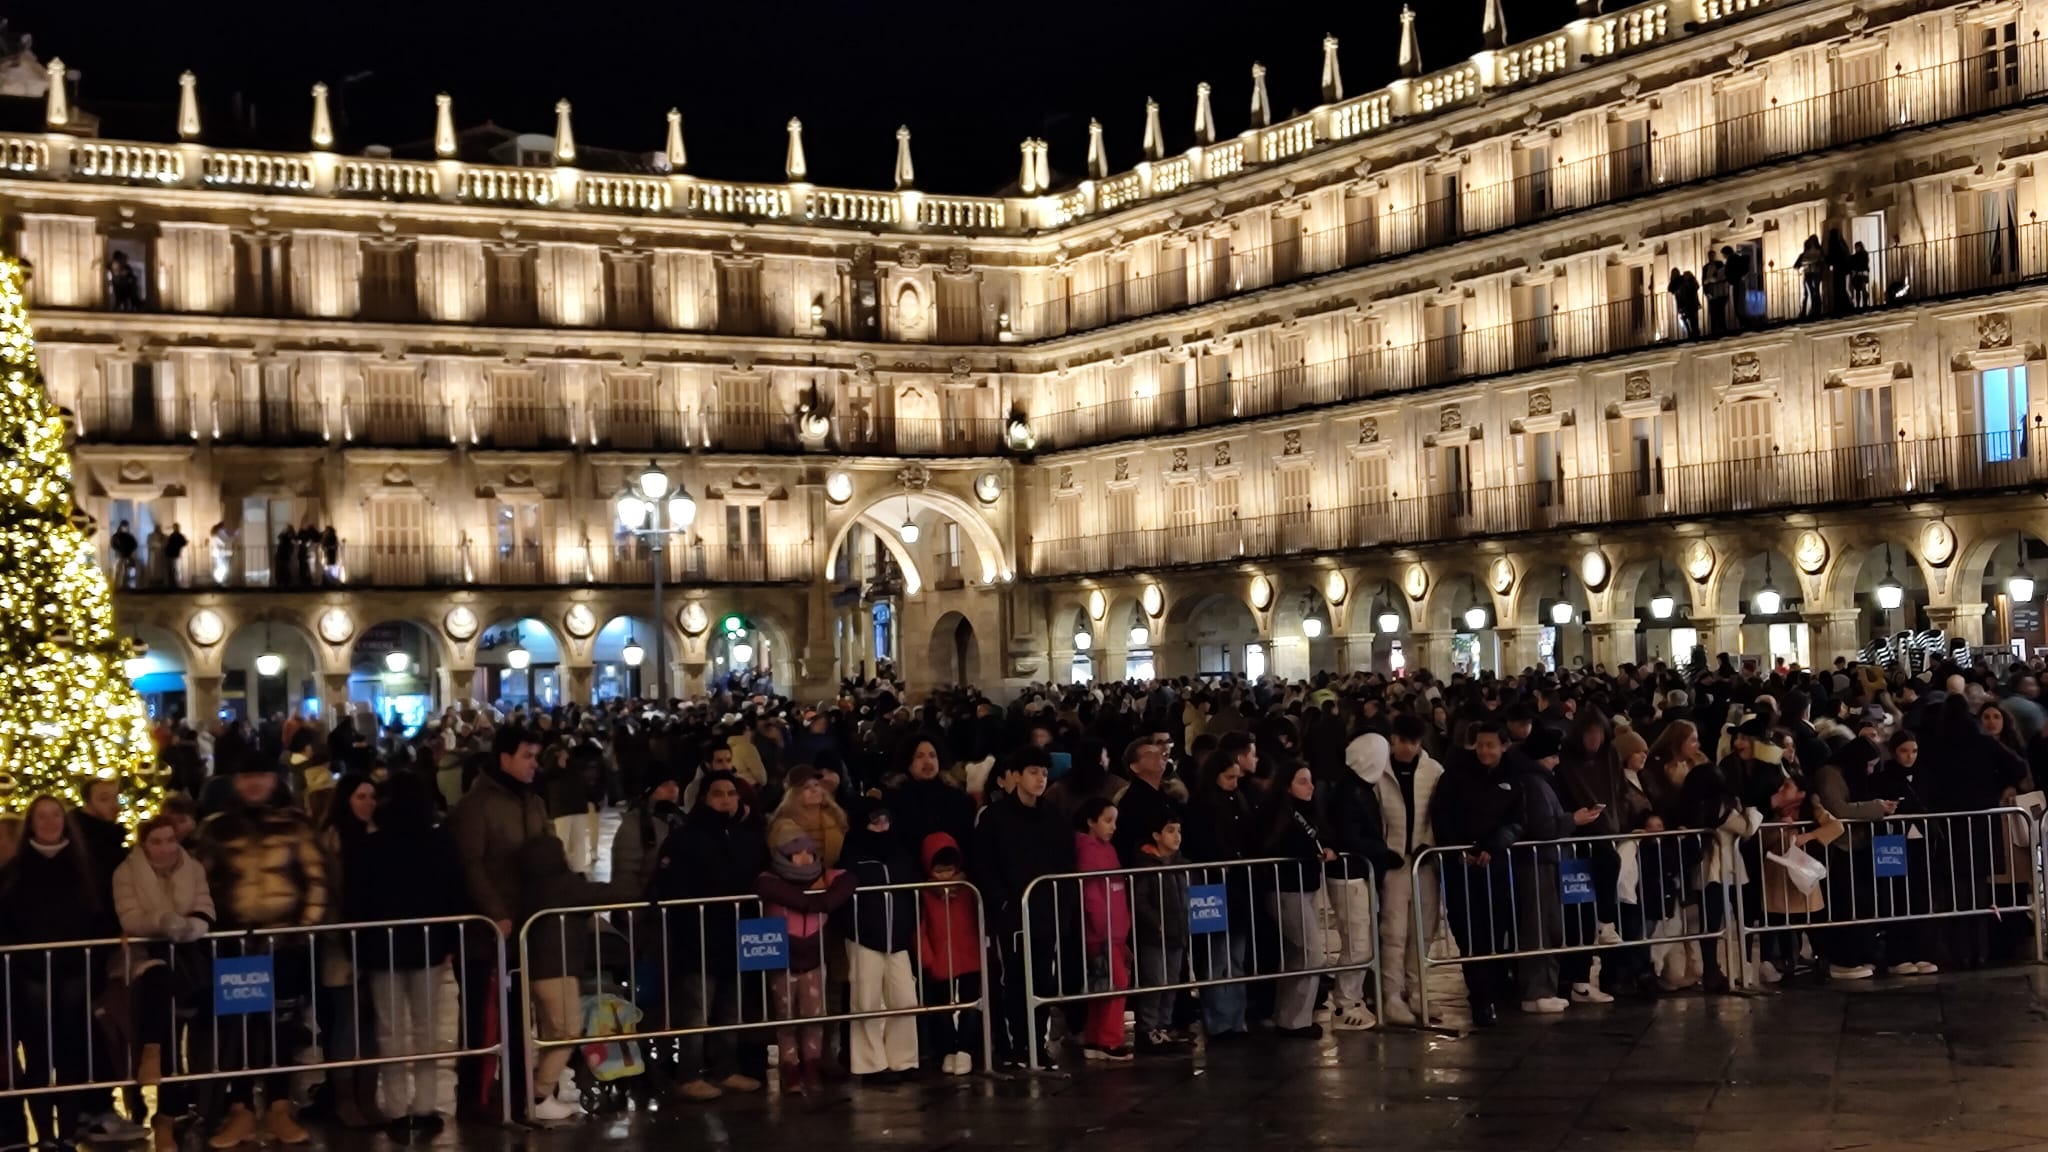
x=918, y=808
x=878, y=921
x=408, y=874
x=710, y=854
x=1015, y=844
x=1355, y=828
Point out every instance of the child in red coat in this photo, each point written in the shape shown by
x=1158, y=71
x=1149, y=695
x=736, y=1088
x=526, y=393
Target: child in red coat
x=1106, y=929
x=949, y=952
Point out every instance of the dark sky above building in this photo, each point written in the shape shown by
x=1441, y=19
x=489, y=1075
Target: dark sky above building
x=970, y=80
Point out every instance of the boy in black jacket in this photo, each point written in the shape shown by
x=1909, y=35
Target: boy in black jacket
x=881, y=937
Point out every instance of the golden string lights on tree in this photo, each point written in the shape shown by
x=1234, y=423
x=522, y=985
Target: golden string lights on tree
x=68, y=714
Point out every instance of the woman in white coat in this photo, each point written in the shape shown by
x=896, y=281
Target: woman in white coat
x=160, y=895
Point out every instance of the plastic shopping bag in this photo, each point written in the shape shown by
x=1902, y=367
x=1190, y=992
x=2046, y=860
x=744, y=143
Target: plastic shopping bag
x=1805, y=872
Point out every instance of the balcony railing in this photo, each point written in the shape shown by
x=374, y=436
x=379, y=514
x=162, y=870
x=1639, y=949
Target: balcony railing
x=133, y=419
x=1906, y=469
x=1628, y=169
x=267, y=564
x=1899, y=275
x=268, y=423
x=387, y=424
x=520, y=426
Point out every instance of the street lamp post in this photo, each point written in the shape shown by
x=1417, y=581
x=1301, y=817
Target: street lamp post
x=650, y=510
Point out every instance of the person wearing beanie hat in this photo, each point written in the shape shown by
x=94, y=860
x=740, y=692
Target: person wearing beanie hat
x=800, y=889
x=809, y=807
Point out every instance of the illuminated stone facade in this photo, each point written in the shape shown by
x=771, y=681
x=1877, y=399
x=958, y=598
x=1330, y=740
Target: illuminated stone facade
x=1416, y=352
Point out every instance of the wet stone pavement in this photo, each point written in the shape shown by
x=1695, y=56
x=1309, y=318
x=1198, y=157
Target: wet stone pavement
x=1902, y=1065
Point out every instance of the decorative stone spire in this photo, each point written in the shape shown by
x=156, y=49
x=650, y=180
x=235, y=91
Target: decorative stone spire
x=188, y=106
x=793, y=165
x=565, y=136
x=444, y=126
x=1205, y=120
x=1027, y=176
x=906, y=176
x=57, y=102
x=1493, y=26
x=323, y=125
x=676, y=157
x=1155, y=140
x=1262, y=109
x=1098, y=156
x=1411, y=52
x=1044, y=151
x=1333, y=78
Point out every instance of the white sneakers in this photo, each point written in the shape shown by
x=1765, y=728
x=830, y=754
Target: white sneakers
x=566, y=1089
x=1916, y=968
x=1859, y=972
x=957, y=1064
x=1546, y=1006
x=1590, y=994
x=1398, y=1013
x=554, y=1110
x=1769, y=972
x=1355, y=1018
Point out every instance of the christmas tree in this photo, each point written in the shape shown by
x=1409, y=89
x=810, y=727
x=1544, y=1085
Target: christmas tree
x=68, y=714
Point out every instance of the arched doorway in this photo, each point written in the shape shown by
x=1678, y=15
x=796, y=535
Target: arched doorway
x=158, y=673
x=1221, y=637
x=747, y=653
x=623, y=653
x=519, y=662
x=954, y=653
x=395, y=668
x=269, y=668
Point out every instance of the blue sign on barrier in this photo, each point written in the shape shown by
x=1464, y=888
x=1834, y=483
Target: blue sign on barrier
x=764, y=944
x=1208, y=909
x=1890, y=855
x=1575, y=878
x=243, y=984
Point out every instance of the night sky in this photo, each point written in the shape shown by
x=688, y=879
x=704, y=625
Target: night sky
x=970, y=81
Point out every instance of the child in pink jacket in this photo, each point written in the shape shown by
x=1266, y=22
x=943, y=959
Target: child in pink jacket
x=1106, y=929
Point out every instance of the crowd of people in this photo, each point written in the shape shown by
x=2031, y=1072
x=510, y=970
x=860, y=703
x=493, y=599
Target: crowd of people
x=1080, y=815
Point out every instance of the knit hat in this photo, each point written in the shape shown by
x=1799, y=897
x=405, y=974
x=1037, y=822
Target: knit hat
x=781, y=858
x=1627, y=744
x=1542, y=744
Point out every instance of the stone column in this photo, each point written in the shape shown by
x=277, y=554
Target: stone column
x=1961, y=621
x=1719, y=634
x=1433, y=651
x=577, y=677
x=1831, y=634
x=453, y=684
x=333, y=695
x=1519, y=648
x=1353, y=651
x=202, y=700
x=1614, y=642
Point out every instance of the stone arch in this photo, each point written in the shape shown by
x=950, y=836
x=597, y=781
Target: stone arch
x=246, y=692
x=521, y=626
x=163, y=672
x=1989, y=559
x=1294, y=654
x=1113, y=635
x=392, y=689
x=766, y=631
x=954, y=651
x=613, y=675
x=926, y=506
x=1205, y=632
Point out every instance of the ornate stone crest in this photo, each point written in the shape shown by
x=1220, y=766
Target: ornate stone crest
x=1290, y=442
x=1450, y=419
x=1123, y=468
x=1180, y=459
x=915, y=477
x=1745, y=368
x=1865, y=350
x=1539, y=402
x=1635, y=386
x=1066, y=476
x=1368, y=430
x=1994, y=330
x=1223, y=454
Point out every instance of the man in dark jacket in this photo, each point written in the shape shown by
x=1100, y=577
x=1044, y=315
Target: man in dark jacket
x=1144, y=807
x=1016, y=842
x=717, y=851
x=1539, y=816
x=1472, y=805
x=925, y=803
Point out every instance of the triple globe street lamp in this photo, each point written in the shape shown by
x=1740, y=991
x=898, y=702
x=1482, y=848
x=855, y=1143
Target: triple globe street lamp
x=653, y=509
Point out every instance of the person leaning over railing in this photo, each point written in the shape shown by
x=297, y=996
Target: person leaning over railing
x=266, y=870
x=409, y=870
x=48, y=895
x=716, y=853
x=161, y=897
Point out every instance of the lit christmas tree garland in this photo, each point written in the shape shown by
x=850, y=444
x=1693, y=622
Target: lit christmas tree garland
x=68, y=714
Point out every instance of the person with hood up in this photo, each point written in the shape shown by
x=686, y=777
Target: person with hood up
x=881, y=931
x=949, y=954
x=796, y=866
x=1369, y=814
x=1358, y=825
x=717, y=851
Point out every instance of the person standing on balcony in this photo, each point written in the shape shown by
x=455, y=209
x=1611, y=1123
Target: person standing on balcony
x=123, y=543
x=153, y=558
x=220, y=549
x=174, y=554
x=1859, y=277
x=1714, y=279
x=307, y=554
x=1813, y=267
x=330, y=555
x=1738, y=267
x=283, y=563
x=124, y=283
x=1685, y=296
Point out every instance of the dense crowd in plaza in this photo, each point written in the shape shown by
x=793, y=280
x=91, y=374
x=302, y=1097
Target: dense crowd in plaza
x=1338, y=786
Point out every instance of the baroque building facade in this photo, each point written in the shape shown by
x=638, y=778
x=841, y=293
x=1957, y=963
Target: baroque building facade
x=1703, y=322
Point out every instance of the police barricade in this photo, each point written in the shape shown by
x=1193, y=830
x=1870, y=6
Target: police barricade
x=717, y=968
x=1878, y=891
x=1562, y=901
x=250, y=1009
x=1098, y=938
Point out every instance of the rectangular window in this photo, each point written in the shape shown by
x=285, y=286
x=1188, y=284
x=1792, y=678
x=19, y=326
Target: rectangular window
x=1123, y=510
x=1066, y=518
x=515, y=409
x=1646, y=455
x=1998, y=65
x=743, y=540
x=1532, y=182
x=1369, y=481
x=2004, y=392
x=1749, y=429
x=398, y=540
x=1293, y=484
x=959, y=309
x=739, y=298
x=1182, y=512
x=627, y=294
x=390, y=286
x=1739, y=126
x=511, y=297
x=1286, y=247
x=742, y=401
x=1361, y=229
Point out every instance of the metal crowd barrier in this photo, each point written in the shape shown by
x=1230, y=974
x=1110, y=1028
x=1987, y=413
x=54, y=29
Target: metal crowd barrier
x=1283, y=939
x=722, y=964
x=1899, y=869
x=231, y=1005
x=1552, y=897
